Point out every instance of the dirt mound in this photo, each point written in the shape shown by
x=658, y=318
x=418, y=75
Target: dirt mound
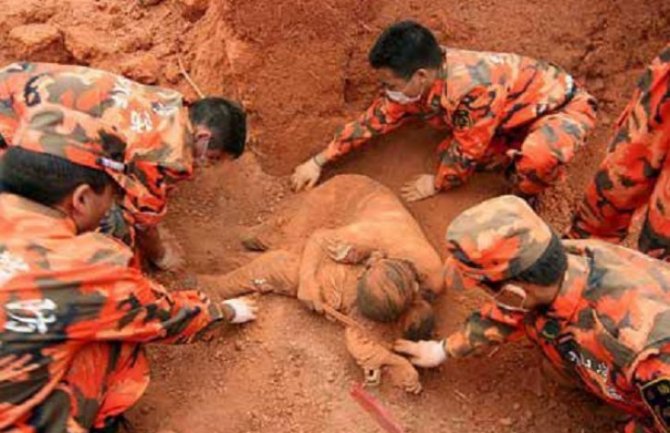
x=300, y=69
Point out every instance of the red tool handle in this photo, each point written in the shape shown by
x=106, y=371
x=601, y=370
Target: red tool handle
x=376, y=409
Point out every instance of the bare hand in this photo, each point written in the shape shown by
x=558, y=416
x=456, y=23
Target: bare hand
x=419, y=188
x=306, y=175
x=339, y=251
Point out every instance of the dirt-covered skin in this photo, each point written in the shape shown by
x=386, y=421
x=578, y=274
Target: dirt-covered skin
x=300, y=69
x=336, y=231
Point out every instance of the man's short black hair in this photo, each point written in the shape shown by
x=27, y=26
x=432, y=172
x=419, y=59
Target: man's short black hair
x=226, y=120
x=549, y=268
x=406, y=47
x=44, y=178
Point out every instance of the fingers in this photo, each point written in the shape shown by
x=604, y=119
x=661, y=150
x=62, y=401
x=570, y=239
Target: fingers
x=251, y=303
x=311, y=182
x=410, y=191
x=298, y=182
x=414, y=389
x=408, y=187
x=413, y=197
x=406, y=347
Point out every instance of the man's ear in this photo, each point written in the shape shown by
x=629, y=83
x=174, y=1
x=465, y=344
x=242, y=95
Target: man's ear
x=422, y=73
x=203, y=134
x=81, y=198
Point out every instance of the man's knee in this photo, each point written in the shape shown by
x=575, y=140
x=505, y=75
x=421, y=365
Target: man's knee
x=538, y=168
x=654, y=241
x=105, y=380
x=582, y=111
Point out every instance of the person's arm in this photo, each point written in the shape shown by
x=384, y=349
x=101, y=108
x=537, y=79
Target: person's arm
x=131, y=307
x=474, y=123
x=635, y=426
x=652, y=379
x=489, y=326
x=8, y=118
x=635, y=158
x=309, y=291
x=381, y=117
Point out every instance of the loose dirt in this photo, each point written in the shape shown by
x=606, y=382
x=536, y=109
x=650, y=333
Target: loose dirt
x=300, y=68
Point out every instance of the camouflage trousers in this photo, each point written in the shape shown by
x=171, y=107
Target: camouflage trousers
x=104, y=380
x=636, y=170
x=535, y=157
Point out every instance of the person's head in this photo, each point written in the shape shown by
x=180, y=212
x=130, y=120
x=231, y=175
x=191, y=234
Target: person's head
x=407, y=58
x=386, y=289
x=536, y=286
x=82, y=193
x=418, y=322
x=220, y=129
x=503, y=246
x=67, y=160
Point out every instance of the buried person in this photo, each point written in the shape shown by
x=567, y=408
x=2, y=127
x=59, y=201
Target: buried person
x=500, y=110
x=600, y=313
x=75, y=315
x=163, y=139
x=377, y=267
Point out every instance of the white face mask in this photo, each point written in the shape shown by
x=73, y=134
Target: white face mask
x=400, y=97
x=508, y=293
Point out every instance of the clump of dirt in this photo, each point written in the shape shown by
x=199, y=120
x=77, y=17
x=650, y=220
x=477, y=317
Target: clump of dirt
x=300, y=69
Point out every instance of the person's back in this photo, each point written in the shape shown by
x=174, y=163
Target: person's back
x=52, y=287
x=531, y=87
x=74, y=314
x=150, y=119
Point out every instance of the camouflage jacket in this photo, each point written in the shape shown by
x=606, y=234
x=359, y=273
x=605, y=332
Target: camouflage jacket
x=476, y=96
x=608, y=328
x=60, y=291
x=635, y=170
x=152, y=121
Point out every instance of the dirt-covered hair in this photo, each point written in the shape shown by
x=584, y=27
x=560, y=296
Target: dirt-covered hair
x=386, y=289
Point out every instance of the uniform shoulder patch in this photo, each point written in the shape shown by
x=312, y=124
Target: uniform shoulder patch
x=656, y=395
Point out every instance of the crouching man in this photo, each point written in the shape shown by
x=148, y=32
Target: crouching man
x=597, y=311
x=75, y=317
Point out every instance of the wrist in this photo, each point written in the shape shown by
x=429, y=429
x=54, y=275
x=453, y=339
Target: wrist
x=320, y=159
x=228, y=312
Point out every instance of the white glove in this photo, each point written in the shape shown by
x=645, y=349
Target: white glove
x=422, y=186
x=306, y=175
x=426, y=354
x=244, y=309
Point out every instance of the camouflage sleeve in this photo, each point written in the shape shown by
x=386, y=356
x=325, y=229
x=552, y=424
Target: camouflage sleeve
x=652, y=378
x=635, y=157
x=474, y=123
x=137, y=309
x=489, y=326
x=8, y=118
x=381, y=117
x=635, y=426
